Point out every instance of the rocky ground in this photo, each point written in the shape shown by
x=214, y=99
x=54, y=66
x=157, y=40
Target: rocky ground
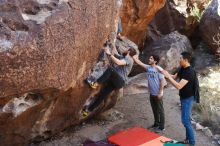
x=130, y=110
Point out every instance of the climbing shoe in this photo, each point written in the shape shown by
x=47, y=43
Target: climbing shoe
x=92, y=84
x=85, y=113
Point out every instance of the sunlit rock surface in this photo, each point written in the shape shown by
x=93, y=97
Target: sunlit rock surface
x=47, y=49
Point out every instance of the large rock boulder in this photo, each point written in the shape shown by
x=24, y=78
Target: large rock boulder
x=168, y=19
x=176, y=16
x=209, y=26
x=46, y=51
x=136, y=85
x=169, y=48
x=136, y=15
x=51, y=43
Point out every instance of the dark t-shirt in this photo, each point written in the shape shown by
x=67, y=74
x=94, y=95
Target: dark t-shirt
x=187, y=90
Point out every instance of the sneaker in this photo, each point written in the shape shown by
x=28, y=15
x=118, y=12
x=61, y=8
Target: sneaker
x=170, y=141
x=186, y=141
x=159, y=129
x=153, y=126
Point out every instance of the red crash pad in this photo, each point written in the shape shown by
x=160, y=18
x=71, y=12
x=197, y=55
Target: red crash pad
x=133, y=137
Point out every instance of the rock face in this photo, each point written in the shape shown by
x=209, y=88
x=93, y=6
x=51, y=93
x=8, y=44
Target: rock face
x=169, y=48
x=43, y=43
x=168, y=19
x=136, y=85
x=173, y=17
x=46, y=50
x=136, y=15
x=209, y=26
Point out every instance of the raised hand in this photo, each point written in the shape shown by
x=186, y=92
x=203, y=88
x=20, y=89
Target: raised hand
x=107, y=51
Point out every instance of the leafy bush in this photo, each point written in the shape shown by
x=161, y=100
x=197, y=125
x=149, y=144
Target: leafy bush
x=197, y=8
x=209, y=108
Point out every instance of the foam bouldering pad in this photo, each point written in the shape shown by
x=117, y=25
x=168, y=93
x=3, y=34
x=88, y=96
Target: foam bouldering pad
x=173, y=144
x=137, y=137
x=98, y=143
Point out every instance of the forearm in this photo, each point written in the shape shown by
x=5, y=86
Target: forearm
x=139, y=62
x=174, y=83
x=115, y=51
x=162, y=82
x=160, y=94
x=164, y=72
x=117, y=61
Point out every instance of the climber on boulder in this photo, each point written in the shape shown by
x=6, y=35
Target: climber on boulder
x=114, y=77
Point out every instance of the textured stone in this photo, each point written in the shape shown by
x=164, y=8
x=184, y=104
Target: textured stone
x=216, y=136
x=199, y=126
x=136, y=85
x=169, y=48
x=167, y=20
x=209, y=26
x=136, y=15
x=47, y=49
x=208, y=133
x=111, y=115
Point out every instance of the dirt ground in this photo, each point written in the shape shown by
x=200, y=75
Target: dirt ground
x=130, y=110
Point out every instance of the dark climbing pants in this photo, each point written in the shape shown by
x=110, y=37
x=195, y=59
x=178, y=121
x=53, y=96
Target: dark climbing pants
x=158, y=111
x=112, y=81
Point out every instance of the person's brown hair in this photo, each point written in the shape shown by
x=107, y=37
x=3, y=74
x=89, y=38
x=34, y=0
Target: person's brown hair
x=187, y=56
x=156, y=58
x=132, y=52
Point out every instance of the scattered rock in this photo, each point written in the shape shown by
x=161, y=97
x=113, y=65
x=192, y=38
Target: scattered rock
x=216, y=136
x=93, y=132
x=199, y=127
x=193, y=122
x=111, y=115
x=208, y=132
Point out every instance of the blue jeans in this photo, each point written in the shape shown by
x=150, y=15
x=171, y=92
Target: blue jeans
x=119, y=26
x=186, y=107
